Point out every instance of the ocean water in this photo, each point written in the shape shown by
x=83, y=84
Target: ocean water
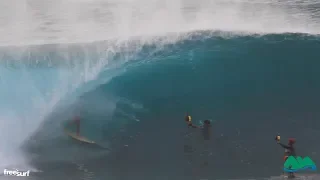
x=132, y=69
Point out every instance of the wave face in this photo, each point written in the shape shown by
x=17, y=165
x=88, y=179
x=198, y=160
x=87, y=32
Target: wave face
x=252, y=86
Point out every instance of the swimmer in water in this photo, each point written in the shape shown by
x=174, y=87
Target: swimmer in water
x=205, y=129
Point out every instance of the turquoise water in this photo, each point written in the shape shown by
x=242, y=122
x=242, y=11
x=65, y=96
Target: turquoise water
x=252, y=87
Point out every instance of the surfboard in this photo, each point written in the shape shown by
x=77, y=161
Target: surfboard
x=78, y=138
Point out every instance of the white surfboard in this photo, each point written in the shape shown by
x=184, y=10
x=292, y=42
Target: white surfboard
x=78, y=138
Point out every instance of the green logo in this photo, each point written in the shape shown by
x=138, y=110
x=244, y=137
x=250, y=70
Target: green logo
x=294, y=164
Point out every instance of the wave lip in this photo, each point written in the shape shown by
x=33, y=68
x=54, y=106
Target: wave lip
x=95, y=20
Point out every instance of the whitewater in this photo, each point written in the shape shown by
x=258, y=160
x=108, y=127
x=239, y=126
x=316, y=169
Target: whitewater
x=71, y=21
x=54, y=52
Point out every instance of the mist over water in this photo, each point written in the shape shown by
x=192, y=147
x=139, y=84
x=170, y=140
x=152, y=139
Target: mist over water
x=35, y=81
x=69, y=21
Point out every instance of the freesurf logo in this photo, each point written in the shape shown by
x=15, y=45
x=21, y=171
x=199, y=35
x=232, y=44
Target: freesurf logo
x=15, y=173
x=294, y=164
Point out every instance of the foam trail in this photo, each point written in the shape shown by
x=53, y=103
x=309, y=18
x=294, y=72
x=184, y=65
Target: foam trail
x=67, y=21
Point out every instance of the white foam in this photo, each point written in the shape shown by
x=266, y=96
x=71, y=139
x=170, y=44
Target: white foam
x=66, y=21
x=29, y=95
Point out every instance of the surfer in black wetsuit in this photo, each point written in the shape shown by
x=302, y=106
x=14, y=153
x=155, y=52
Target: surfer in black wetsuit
x=205, y=129
x=289, y=150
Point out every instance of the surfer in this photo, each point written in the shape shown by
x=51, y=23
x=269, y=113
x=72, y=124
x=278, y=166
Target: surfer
x=289, y=150
x=76, y=121
x=205, y=127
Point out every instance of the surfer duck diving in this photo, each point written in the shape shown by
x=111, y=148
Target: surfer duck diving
x=289, y=150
